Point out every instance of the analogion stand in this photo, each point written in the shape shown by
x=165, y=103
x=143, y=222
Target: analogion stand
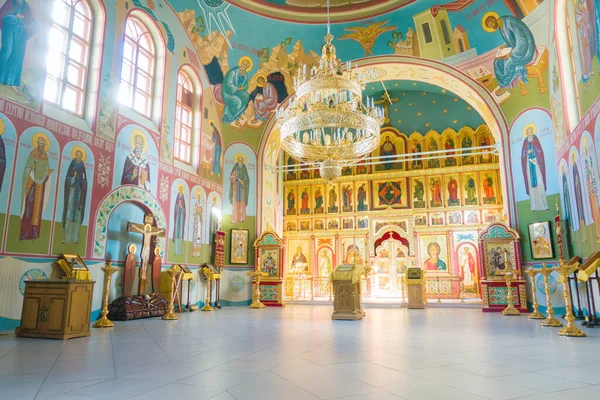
x=499, y=254
x=268, y=257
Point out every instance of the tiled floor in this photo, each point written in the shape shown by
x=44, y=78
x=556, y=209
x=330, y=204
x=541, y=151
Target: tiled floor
x=299, y=353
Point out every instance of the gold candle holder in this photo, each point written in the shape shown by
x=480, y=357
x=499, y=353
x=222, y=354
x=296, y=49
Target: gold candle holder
x=536, y=314
x=256, y=303
x=208, y=273
x=104, y=322
x=462, y=291
x=550, y=321
x=439, y=291
x=170, y=315
x=571, y=330
x=510, y=297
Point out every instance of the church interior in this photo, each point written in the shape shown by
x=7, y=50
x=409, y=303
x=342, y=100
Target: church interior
x=300, y=199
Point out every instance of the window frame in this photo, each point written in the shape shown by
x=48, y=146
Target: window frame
x=179, y=106
x=150, y=76
x=63, y=81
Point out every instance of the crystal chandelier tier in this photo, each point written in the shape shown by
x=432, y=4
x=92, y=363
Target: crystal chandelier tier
x=326, y=122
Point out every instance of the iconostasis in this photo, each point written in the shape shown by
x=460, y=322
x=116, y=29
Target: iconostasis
x=397, y=214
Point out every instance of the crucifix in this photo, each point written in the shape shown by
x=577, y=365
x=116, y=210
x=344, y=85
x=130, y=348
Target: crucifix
x=148, y=232
x=387, y=101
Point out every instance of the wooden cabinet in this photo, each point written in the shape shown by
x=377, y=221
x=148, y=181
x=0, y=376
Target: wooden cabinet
x=56, y=309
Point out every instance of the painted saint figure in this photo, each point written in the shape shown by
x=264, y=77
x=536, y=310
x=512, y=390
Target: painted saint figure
x=467, y=267
x=417, y=163
x=291, y=203
x=433, y=263
x=534, y=169
x=325, y=265
x=179, y=215
x=75, y=195
x=471, y=191
x=235, y=90
x=489, y=197
x=592, y=186
x=333, y=199
x=129, y=273
x=213, y=220
x=136, y=170
x=291, y=171
x=318, y=202
x=419, y=195
x=17, y=26
x=361, y=198
x=299, y=261
x=453, y=199
x=449, y=147
x=304, y=209
x=584, y=20
x=467, y=158
x=347, y=198
x=216, y=156
x=511, y=66
x=436, y=193
x=434, y=162
x=265, y=99
x=388, y=150
x=35, y=179
x=239, y=188
x=578, y=192
x=197, y=225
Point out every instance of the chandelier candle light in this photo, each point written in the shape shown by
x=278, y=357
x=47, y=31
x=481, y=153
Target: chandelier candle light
x=325, y=122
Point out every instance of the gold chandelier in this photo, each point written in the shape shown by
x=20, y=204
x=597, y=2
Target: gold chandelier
x=325, y=122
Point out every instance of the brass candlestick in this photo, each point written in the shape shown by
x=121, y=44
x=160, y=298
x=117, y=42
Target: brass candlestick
x=256, y=298
x=550, y=321
x=170, y=315
x=208, y=273
x=536, y=314
x=104, y=322
x=564, y=271
x=510, y=298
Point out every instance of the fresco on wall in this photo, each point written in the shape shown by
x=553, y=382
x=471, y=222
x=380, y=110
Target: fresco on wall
x=533, y=158
x=580, y=212
x=211, y=152
x=556, y=99
x=366, y=36
x=32, y=203
x=136, y=159
x=8, y=145
x=584, y=23
x=196, y=236
x=213, y=222
x=240, y=186
x=74, y=198
x=178, y=221
x=23, y=49
x=590, y=178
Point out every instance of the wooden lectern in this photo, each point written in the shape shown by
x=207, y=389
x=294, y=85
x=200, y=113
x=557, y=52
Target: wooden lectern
x=415, y=285
x=346, y=292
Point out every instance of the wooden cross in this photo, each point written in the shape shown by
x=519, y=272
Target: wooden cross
x=148, y=231
x=387, y=101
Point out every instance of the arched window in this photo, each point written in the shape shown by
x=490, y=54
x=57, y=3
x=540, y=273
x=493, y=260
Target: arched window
x=69, y=55
x=184, y=118
x=138, y=68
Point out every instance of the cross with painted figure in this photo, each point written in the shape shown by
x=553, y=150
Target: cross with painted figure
x=148, y=232
x=387, y=101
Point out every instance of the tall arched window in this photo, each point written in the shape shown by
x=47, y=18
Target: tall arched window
x=138, y=68
x=184, y=118
x=69, y=55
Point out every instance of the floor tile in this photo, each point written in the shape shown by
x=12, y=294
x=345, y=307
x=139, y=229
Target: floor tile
x=544, y=383
x=117, y=389
x=178, y=391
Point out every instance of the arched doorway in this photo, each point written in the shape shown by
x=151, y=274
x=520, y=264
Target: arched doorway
x=391, y=259
x=376, y=69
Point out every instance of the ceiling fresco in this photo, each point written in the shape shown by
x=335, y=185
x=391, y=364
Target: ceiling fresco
x=314, y=11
